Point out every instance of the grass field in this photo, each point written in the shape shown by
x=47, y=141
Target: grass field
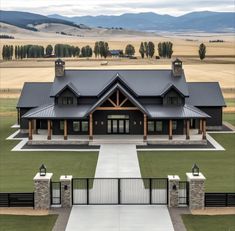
x=229, y=117
x=209, y=223
x=17, y=169
x=217, y=166
x=27, y=223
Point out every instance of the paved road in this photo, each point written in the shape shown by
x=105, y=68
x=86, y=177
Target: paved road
x=118, y=160
x=119, y=218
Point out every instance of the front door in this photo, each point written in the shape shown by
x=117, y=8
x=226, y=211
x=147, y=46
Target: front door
x=118, y=124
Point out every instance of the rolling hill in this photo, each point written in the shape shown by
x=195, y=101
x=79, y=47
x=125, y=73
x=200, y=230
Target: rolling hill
x=204, y=21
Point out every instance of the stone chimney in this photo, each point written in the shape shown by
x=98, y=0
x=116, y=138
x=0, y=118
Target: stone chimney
x=59, y=68
x=177, y=68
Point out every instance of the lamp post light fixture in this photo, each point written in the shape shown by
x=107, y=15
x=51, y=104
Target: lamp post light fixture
x=43, y=170
x=195, y=170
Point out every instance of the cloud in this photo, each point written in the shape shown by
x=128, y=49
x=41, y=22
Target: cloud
x=116, y=7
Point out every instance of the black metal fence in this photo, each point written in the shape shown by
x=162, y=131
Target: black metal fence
x=219, y=199
x=16, y=199
x=120, y=191
x=55, y=193
x=183, y=193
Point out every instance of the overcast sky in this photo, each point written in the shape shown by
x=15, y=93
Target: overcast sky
x=115, y=7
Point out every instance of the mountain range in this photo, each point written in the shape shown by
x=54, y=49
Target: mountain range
x=205, y=21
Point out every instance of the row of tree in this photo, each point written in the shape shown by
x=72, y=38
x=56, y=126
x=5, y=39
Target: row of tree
x=101, y=49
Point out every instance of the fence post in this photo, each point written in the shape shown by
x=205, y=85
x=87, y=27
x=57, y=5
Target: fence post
x=196, y=191
x=42, y=191
x=66, y=191
x=173, y=190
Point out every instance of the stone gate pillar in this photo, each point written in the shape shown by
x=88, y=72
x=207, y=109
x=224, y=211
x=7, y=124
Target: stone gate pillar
x=42, y=191
x=66, y=191
x=196, y=191
x=173, y=190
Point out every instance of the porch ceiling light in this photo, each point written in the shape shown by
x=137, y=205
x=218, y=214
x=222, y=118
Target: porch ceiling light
x=195, y=170
x=43, y=170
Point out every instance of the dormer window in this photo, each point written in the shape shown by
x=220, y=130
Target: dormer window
x=67, y=100
x=172, y=100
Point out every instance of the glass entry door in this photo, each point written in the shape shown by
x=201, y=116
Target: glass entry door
x=118, y=124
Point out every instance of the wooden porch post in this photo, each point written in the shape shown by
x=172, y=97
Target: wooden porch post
x=145, y=127
x=204, y=129
x=91, y=127
x=30, y=130
x=200, y=127
x=34, y=126
x=170, y=130
x=187, y=129
x=65, y=130
x=48, y=129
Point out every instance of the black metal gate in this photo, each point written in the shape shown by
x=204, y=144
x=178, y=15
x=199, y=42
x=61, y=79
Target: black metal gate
x=16, y=199
x=120, y=191
x=55, y=193
x=183, y=193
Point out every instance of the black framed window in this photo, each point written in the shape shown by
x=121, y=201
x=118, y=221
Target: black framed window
x=61, y=125
x=151, y=127
x=84, y=126
x=174, y=125
x=67, y=100
x=159, y=126
x=172, y=100
x=76, y=126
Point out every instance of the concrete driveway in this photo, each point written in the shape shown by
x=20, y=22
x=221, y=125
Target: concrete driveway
x=118, y=160
x=119, y=218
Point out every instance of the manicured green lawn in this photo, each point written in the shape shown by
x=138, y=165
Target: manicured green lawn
x=230, y=102
x=8, y=105
x=217, y=166
x=209, y=223
x=229, y=117
x=17, y=169
x=27, y=223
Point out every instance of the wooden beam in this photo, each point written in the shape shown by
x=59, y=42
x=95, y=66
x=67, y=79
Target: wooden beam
x=204, y=129
x=123, y=102
x=117, y=97
x=115, y=105
x=145, y=127
x=187, y=129
x=65, y=130
x=170, y=130
x=116, y=108
x=30, y=130
x=200, y=127
x=48, y=129
x=91, y=127
x=34, y=126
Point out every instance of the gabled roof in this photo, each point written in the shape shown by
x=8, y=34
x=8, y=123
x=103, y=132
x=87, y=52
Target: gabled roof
x=35, y=94
x=71, y=87
x=142, y=82
x=205, y=94
x=110, y=92
x=175, y=112
x=169, y=87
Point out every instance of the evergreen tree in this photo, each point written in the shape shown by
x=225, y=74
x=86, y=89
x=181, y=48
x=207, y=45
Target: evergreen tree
x=146, y=49
x=202, y=51
x=77, y=51
x=96, y=49
x=49, y=50
x=151, y=49
x=130, y=50
x=142, y=50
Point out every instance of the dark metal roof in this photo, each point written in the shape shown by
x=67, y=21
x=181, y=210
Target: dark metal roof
x=58, y=112
x=125, y=92
x=34, y=95
x=142, y=82
x=205, y=94
x=175, y=112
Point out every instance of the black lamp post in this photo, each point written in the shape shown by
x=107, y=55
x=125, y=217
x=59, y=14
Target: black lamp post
x=195, y=170
x=43, y=170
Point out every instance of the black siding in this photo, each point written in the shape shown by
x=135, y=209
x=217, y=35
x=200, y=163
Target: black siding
x=216, y=114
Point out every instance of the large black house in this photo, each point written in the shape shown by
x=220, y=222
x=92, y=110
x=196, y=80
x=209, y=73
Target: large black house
x=135, y=102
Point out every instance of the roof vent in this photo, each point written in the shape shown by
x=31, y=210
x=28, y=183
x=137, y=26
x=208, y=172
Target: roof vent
x=177, y=68
x=59, y=68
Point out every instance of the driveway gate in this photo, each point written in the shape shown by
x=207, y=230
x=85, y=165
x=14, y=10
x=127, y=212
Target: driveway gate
x=55, y=193
x=120, y=191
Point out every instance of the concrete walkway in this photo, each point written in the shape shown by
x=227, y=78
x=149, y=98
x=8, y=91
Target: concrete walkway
x=118, y=160
x=119, y=218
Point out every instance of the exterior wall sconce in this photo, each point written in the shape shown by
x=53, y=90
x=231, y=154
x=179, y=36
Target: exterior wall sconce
x=102, y=123
x=65, y=187
x=140, y=123
x=43, y=170
x=134, y=122
x=195, y=170
x=174, y=187
x=96, y=122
